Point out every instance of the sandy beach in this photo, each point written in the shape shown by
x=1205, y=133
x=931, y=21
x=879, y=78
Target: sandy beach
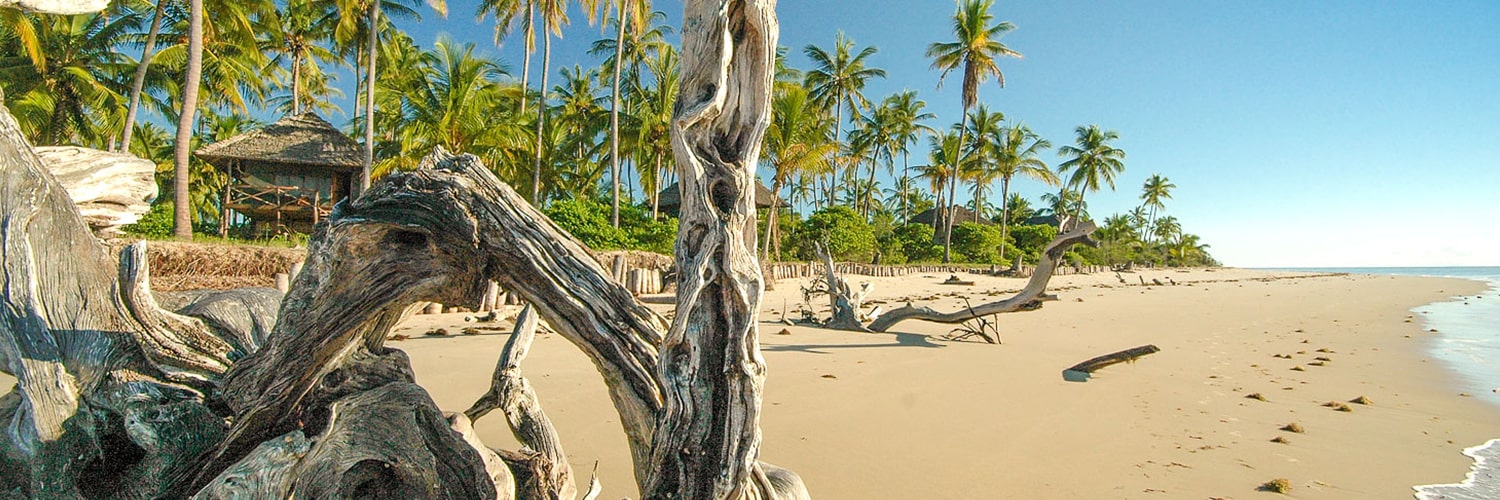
x=905, y=415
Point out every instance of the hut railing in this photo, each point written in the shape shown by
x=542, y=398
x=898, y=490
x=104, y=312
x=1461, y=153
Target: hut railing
x=281, y=198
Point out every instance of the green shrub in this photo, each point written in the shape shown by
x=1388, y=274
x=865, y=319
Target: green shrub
x=1031, y=240
x=847, y=235
x=155, y=224
x=977, y=243
x=913, y=242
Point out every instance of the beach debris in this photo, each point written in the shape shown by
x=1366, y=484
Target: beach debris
x=397, y=337
x=1326, y=350
x=830, y=376
x=1298, y=369
x=1157, y=282
x=1256, y=396
x=1278, y=485
x=784, y=331
x=954, y=280
x=1029, y=298
x=482, y=318
x=470, y=331
x=1281, y=439
x=1294, y=428
x=1362, y=401
x=436, y=332
x=1322, y=358
x=1082, y=371
x=1316, y=363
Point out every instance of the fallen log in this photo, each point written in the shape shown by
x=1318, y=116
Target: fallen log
x=843, y=301
x=1081, y=371
x=1029, y=298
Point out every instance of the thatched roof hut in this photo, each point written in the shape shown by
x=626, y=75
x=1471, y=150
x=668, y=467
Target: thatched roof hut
x=286, y=176
x=305, y=140
x=670, y=199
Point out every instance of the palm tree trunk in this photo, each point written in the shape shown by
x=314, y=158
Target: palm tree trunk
x=838, y=141
x=771, y=223
x=369, y=158
x=541, y=120
x=138, y=82
x=656, y=190
x=905, y=180
x=297, y=83
x=614, y=114
x=182, y=222
x=951, y=210
x=1004, y=214
x=526, y=59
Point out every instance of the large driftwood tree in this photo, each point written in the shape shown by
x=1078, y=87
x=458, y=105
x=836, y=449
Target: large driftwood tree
x=117, y=398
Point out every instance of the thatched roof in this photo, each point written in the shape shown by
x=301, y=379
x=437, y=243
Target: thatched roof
x=961, y=215
x=670, y=198
x=305, y=140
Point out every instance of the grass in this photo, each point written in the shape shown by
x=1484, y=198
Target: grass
x=1294, y=428
x=1362, y=401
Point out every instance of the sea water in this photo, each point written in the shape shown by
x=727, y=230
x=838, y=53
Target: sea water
x=1468, y=342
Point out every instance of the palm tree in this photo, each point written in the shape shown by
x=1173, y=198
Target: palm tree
x=1019, y=209
x=984, y=126
x=138, y=82
x=1091, y=159
x=627, y=13
x=296, y=40
x=1016, y=150
x=837, y=82
x=796, y=143
x=1154, y=191
x=908, y=114
x=508, y=14
x=975, y=48
x=182, y=224
x=372, y=25
x=940, y=170
x=1138, y=220
x=554, y=16
x=57, y=72
x=653, y=118
x=1166, y=228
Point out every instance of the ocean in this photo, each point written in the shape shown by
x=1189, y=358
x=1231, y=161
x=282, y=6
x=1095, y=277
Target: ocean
x=1468, y=342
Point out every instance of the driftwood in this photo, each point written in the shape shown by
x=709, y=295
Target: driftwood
x=1029, y=298
x=56, y=6
x=844, y=302
x=110, y=189
x=513, y=394
x=116, y=397
x=1081, y=371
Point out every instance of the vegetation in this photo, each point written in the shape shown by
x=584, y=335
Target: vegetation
x=591, y=143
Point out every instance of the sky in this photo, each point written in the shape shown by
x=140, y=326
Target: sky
x=1298, y=134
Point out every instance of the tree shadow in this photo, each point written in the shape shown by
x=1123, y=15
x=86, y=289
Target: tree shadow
x=900, y=340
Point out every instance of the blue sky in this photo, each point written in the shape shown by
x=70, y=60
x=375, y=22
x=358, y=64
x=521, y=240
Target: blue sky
x=1330, y=133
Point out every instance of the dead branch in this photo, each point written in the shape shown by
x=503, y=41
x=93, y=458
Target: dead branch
x=1080, y=372
x=1028, y=298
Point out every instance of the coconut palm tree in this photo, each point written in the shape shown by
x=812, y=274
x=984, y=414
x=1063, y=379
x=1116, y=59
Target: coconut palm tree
x=1166, y=228
x=1092, y=161
x=1139, y=221
x=554, y=15
x=907, y=113
x=940, y=171
x=975, y=49
x=508, y=15
x=373, y=19
x=627, y=13
x=1016, y=151
x=297, y=39
x=984, y=126
x=837, y=82
x=796, y=143
x=182, y=224
x=1154, y=191
x=138, y=82
x=1019, y=209
x=653, y=117
x=57, y=73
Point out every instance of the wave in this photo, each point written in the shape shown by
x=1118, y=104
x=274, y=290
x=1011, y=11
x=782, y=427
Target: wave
x=1482, y=482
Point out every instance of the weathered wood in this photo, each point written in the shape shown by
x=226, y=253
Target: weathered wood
x=1081, y=371
x=512, y=393
x=1028, y=298
x=110, y=189
x=843, y=303
x=57, y=6
x=707, y=439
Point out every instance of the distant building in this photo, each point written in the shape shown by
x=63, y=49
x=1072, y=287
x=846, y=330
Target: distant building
x=286, y=176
